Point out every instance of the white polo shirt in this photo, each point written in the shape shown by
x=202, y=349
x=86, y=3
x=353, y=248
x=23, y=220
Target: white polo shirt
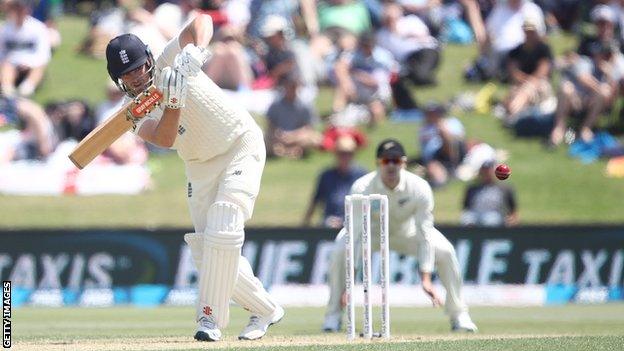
x=410, y=206
x=28, y=45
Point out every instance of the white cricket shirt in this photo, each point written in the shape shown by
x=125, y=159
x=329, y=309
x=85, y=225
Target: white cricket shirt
x=410, y=206
x=210, y=122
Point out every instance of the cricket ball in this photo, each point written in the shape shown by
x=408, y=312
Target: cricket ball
x=502, y=172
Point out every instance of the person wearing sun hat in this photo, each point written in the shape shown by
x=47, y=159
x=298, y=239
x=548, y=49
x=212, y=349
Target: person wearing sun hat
x=334, y=183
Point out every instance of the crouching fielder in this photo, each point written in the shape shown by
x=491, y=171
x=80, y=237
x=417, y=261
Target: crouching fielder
x=224, y=154
x=410, y=202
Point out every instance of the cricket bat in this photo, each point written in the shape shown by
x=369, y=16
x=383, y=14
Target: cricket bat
x=114, y=127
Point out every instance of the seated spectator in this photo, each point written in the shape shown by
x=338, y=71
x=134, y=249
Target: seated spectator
x=504, y=32
x=71, y=119
x=47, y=11
x=262, y=10
x=441, y=143
x=474, y=11
x=348, y=14
x=128, y=148
x=561, y=14
x=229, y=67
x=528, y=68
x=24, y=50
x=429, y=11
x=290, y=130
x=409, y=41
x=35, y=139
x=279, y=59
x=154, y=25
x=363, y=77
x=588, y=90
x=604, y=20
x=489, y=202
x=334, y=184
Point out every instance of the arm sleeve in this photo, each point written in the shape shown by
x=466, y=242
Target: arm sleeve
x=320, y=188
x=424, y=227
x=169, y=53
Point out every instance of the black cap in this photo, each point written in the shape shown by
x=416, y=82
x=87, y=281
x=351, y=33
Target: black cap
x=390, y=148
x=124, y=54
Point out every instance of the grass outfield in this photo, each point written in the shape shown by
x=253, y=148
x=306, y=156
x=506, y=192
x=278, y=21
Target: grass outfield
x=573, y=327
x=551, y=187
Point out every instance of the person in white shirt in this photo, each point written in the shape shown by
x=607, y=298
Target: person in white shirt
x=224, y=155
x=503, y=28
x=24, y=50
x=411, y=232
x=411, y=44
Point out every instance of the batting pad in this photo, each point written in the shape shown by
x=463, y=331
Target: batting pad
x=218, y=272
x=249, y=292
x=196, y=244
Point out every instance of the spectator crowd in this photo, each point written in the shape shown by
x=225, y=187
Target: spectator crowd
x=375, y=55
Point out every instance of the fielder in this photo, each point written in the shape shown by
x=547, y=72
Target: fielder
x=224, y=154
x=410, y=202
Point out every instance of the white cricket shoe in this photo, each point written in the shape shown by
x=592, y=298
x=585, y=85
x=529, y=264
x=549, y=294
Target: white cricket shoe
x=207, y=330
x=333, y=322
x=463, y=323
x=257, y=326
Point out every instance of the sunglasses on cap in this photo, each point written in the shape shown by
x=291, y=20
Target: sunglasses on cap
x=394, y=161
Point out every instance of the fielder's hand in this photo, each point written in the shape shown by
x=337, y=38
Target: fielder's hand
x=173, y=86
x=190, y=61
x=427, y=286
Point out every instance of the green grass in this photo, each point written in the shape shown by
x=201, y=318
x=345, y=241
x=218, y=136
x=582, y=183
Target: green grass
x=551, y=187
x=572, y=327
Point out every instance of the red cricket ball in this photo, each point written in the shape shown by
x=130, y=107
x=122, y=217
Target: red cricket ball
x=502, y=172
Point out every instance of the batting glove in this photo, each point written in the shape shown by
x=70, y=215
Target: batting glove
x=173, y=86
x=190, y=61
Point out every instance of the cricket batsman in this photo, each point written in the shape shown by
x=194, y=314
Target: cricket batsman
x=410, y=203
x=224, y=155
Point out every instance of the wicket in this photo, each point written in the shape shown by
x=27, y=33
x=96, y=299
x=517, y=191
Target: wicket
x=366, y=263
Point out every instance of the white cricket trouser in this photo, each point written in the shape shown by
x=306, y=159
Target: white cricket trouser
x=446, y=266
x=233, y=177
